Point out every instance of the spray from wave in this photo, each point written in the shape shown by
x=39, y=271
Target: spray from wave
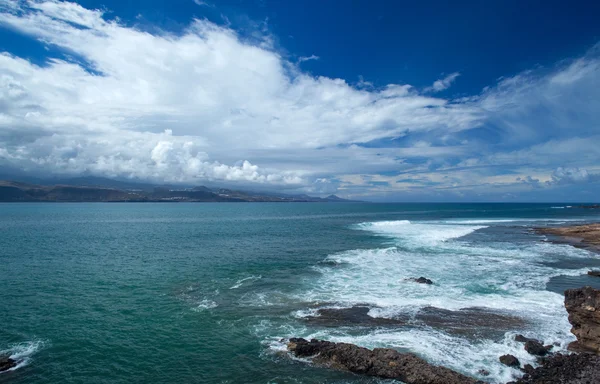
x=500, y=279
x=23, y=352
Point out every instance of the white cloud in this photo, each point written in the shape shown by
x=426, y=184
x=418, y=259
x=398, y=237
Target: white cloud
x=308, y=58
x=208, y=86
x=570, y=175
x=443, y=84
x=207, y=104
x=202, y=3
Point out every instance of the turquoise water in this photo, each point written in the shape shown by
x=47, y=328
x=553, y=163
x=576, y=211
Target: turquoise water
x=203, y=293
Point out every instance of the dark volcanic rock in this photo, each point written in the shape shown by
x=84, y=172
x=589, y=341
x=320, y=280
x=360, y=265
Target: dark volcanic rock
x=522, y=339
x=358, y=315
x=421, y=280
x=510, y=360
x=380, y=362
x=6, y=363
x=565, y=369
x=470, y=322
x=528, y=368
x=536, y=348
x=594, y=273
x=583, y=306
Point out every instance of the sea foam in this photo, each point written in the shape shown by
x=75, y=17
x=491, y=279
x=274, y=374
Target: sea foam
x=503, y=277
x=23, y=352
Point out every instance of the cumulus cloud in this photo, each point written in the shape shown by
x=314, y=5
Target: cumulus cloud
x=211, y=89
x=209, y=104
x=570, y=175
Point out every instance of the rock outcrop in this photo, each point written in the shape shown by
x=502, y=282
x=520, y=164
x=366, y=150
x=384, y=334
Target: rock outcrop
x=357, y=315
x=564, y=369
x=6, y=363
x=510, y=360
x=421, y=280
x=583, y=236
x=536, y=348
x=461, y=322
x=583, y=306
x=379, y=362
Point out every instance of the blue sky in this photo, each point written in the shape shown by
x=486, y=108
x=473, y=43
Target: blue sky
x=377, y=100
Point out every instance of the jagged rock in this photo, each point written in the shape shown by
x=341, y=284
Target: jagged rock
x=583, y=306
x=6, y=363
x=536, y=348
x=528, y=368
x=594, y=273
x=510, y=360
x=522, y=339
x=564, y=369
x=379, y=362
x=421, y=280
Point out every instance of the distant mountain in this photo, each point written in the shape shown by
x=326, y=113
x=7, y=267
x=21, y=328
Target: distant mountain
x=106, y=190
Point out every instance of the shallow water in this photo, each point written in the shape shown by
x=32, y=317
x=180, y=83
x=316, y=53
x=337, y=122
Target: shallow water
x=109, y=293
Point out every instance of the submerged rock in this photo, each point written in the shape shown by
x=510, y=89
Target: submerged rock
x=583, y=306
x=510, y=360
x=421, y=280
x=594, y=273
x=564, y=369
x=7, y=363
x=468, y=322
x=357, y=315
x=472, y=323
x=379, y=362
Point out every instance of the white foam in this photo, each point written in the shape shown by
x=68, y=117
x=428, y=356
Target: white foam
x=240, y=282
x=419, y=233
x=502, y=276
x=22, y=352
x=205, y=305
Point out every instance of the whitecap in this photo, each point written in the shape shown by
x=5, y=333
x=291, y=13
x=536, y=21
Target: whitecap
x=240, y=282
x=423, y=234
x=22, y=352
x=501, y=276
x=205, y=305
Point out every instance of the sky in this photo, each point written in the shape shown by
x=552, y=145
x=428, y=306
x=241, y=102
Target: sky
x=372, y=100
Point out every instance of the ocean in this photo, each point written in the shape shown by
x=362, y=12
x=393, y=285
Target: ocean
x=205, y=292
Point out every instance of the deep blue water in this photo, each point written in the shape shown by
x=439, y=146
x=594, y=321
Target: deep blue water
x=203, y=293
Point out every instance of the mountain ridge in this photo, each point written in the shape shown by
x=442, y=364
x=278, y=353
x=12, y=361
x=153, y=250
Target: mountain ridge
x=105, y=190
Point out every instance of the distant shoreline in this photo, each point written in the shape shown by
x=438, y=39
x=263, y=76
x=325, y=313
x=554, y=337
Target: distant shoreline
x=16, y=192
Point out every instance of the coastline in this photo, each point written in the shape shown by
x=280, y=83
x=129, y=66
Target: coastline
x=578, y=366
x=585, y=236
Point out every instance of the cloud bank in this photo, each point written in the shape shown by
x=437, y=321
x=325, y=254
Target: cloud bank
x=210, y=105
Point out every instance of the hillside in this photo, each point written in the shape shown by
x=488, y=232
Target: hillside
x=13, y=191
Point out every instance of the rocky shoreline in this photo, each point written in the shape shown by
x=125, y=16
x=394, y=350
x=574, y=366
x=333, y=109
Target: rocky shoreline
x=582, y=236
x=581, y=366
x=380, y=362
